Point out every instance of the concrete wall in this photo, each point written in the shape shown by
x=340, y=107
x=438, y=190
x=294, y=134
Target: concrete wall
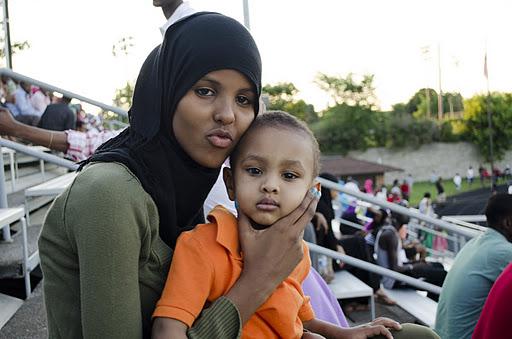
x=445, y=158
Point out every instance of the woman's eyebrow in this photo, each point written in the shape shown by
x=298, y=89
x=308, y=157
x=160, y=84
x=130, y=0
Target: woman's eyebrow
x=216, y=82
x=208, y=79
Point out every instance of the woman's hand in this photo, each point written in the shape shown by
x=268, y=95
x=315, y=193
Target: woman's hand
x=269, y=255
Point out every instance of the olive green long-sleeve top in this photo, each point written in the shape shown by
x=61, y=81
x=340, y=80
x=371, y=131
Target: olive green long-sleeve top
x=104, y=264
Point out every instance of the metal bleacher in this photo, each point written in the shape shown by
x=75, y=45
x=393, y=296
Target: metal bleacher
x=19, y=254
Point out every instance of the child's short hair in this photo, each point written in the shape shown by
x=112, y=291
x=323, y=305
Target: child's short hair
x=282, y=120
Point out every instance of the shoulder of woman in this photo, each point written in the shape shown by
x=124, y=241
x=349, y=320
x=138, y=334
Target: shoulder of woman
x=107, y=179
x=108, y=188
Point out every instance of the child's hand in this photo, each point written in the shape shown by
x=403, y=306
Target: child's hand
x=379, y=326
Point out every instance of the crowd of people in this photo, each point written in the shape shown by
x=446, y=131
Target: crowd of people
x=156, y=259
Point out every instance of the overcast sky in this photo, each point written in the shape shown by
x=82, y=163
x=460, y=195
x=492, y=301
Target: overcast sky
x=71, y=42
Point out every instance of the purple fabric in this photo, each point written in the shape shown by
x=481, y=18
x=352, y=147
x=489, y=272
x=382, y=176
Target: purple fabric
x=368, y=226
x=323, y=301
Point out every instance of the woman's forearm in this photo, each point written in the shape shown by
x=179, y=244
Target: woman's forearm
x=55, y=140
x=248, y=294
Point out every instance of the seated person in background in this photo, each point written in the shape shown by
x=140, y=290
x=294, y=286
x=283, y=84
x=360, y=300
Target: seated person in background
x=58, y=116
x=26, y=113
x=390, y=254
x=474, y=271
x=76, y=145
x=379, y=218
x=272, y=169
x=495, y=317
x=350, y=215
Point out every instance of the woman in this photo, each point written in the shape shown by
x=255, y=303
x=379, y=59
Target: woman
x=106, y=243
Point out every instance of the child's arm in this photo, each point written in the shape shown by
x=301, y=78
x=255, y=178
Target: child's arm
x=166, y=328
x=376, y=327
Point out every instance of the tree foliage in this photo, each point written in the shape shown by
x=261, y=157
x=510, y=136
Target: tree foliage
x=418, y=104
x=16, y=47
x=343, y=128
x=349, y=91
x=282, y=97
x=476, y=126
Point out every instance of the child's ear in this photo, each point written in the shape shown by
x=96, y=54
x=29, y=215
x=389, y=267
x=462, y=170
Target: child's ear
x=229, y=182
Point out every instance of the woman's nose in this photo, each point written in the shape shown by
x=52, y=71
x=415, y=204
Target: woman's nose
x=224, y=112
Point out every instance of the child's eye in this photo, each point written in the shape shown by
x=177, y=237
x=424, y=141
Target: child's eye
x=243, y=100
x=204, y=92
x=253, y=171
x=290, y=176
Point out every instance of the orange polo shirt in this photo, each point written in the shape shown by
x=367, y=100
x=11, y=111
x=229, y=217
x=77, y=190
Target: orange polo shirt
x=205, y=265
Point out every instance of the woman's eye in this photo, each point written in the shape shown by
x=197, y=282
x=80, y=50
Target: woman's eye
x=243, y=100
x=290, y=176
x=253, y=171
x=205, y=92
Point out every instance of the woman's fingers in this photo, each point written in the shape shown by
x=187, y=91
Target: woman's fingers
x=297, y=220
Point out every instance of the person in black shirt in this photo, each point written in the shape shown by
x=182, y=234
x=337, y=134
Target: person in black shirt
x=58, y=116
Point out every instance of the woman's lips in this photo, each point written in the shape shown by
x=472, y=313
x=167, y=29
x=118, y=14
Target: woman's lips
x=220, y=139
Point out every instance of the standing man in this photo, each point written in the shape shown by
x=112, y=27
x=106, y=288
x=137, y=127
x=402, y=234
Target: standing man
x=173, y=10
x=457, y=180
x=474, y=271
x=470, y=175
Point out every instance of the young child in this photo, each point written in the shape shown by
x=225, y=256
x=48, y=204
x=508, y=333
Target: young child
x=272, y=169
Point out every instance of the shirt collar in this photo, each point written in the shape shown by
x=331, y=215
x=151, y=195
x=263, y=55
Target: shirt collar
x=181, y=12
x=227, y=230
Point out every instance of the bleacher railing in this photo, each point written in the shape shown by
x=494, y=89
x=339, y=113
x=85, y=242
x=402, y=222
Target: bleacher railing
x=470, y=233
x=69, y=94
x=39, y=154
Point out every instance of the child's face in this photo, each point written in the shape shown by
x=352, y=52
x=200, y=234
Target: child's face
x=272, y=174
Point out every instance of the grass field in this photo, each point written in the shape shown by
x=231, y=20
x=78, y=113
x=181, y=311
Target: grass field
x=419, y=189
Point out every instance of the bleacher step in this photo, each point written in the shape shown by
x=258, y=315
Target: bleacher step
x=8, y=307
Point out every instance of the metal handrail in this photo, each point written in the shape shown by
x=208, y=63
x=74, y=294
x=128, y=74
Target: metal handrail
x=20, y=77
x=400, y=209
x=38, y=154
x=460, y=222
x=375, y=268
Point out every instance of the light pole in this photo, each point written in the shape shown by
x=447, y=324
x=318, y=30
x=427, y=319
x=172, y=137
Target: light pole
x=247, y=22
x=489, y=122
x=7, y=36
x=440, y=95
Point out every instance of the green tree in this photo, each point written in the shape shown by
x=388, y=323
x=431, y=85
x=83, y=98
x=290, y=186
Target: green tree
x=282, y=97
x=343, y=128
x=348, y=90
x=476, y=123
x=418, y=104
x=15, y=47
x=122, y=99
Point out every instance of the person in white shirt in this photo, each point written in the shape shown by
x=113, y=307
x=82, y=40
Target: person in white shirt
x=410, y=182
x=470, y=175
x=26, y=112
x=457, y=180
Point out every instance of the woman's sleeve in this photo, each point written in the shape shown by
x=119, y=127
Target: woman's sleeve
x=220, y=320
x=108, y=229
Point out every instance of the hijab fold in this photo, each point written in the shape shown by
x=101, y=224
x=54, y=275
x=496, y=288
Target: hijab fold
x=192, y=47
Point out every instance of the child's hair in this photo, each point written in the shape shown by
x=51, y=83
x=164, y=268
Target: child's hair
x=282, y=120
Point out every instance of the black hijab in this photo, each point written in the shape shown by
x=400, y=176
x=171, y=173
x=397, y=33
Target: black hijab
x=192, y=47
x=325, y=207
